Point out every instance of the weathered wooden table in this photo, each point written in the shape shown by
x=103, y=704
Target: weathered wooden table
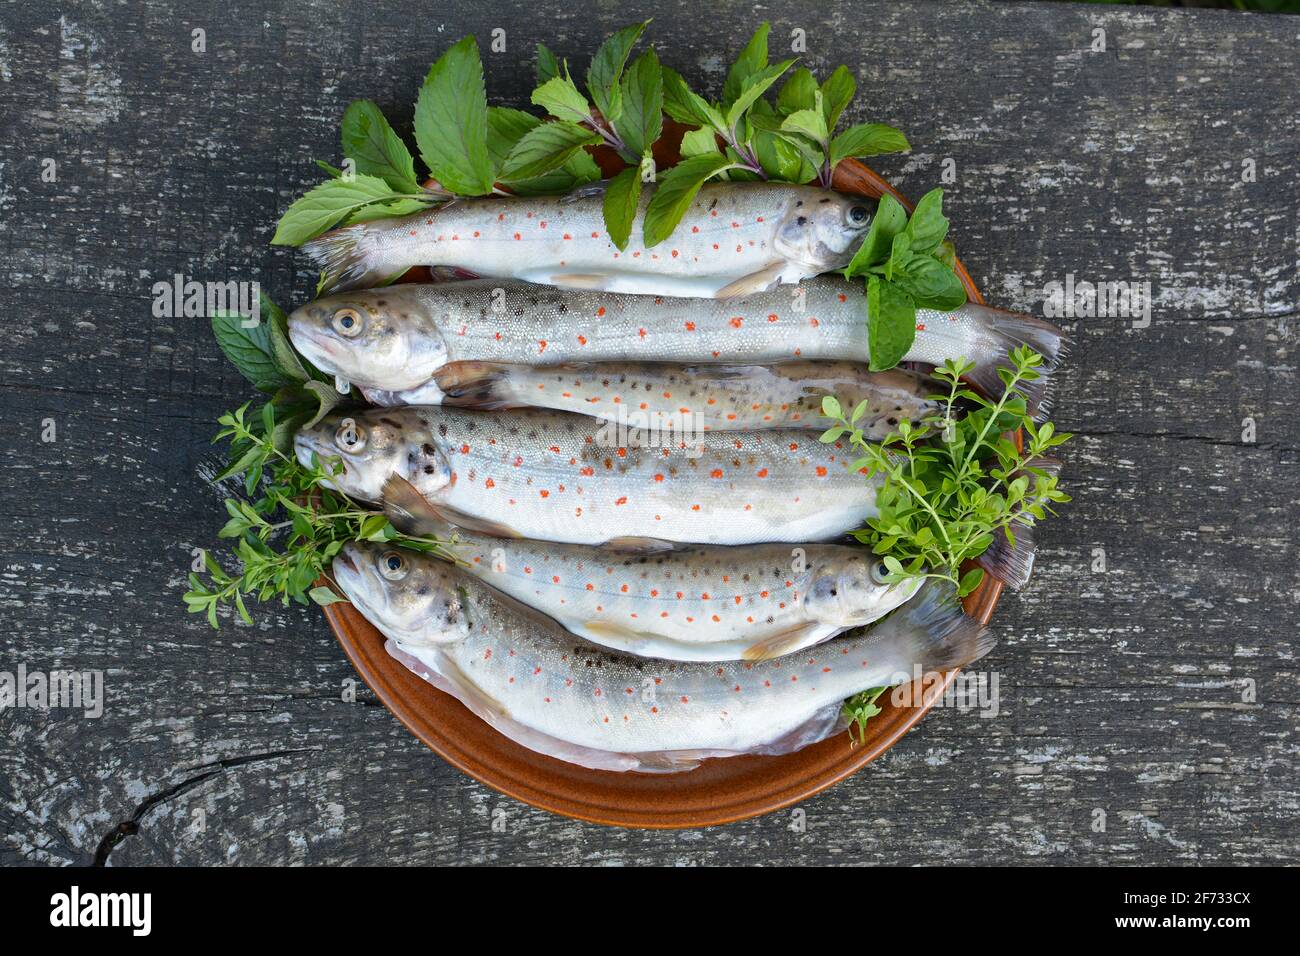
x=1148, y=675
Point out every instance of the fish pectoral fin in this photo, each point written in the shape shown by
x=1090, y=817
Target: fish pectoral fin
x=578, y=280
x=414, y=514
x=481, y=385
x=813, y=632
x=639, y=545
x=755, y=282
x=586, y=191
x=618, y=635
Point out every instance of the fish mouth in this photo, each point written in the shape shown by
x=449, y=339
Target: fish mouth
x=318, y=347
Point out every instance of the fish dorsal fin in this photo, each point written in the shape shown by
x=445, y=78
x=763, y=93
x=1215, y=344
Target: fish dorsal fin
x=414, y=514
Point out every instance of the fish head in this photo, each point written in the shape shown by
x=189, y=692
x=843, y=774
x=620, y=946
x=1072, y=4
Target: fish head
x=416, y=600
x=382, y=338
x=360, y=450
x=822, y=229
x=852, y=590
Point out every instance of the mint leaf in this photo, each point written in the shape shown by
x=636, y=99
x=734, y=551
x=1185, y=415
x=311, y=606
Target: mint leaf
x=559, y=97
x=755, y=86
x=837, y=93
x=798, y=93
x=451, y=121
x=545, y=147
x=578, y=170
x=505, y=128
x=928, y=227
x=751, y=59
x=891, y=219
x=642, y=119
x=869, y=139
x=622, y=198
x=930, y=283
x=810, y=123
x=607, y=68
x=547, y=66
x=677, y=189
x=687, y=106
x=699, y=142
x=370, y=142
x=891, y=323
x=327, y=204
x=251, y=350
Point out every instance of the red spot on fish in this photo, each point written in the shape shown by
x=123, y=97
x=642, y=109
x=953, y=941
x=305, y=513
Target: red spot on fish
x=567, y=236
x=659, y=477
x=821, y=471
x=920, y=326
x=487, y=655
x=588, y=471
x=595, y=235
x=544, y=493
x=675, y=253
x=843, y=297
x=641, y=332
x=464, y=449
x=793, y=446
x=582, y=340
x=600, y=311
x=716, y=618
x=717, y=472
x=690, y=326
x=476, y=234
x=542, y=224
x=517, y=236
x=737, y=322
x=814, y=323
x=621, y=501
x=623, y=588
x=695, y=507
x=762, y=473
x=715, y=246
x=685, y=699
x=542, y=343
x=519, y=460
x=489, y=483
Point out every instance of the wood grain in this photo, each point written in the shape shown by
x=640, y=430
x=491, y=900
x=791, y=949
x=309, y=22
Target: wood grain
x=1121, y=692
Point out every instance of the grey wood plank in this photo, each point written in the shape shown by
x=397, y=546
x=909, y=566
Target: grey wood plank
x=1121, y=691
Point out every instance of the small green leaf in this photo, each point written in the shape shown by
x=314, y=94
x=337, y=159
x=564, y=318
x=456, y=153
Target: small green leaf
x=607, y=69
x=930, y=283
x=798, y=93
x=677, y=189
x=545, y=147
x=327, y=204
x=751, y=59
x=928, y=226
x=547, y=66
x=325, y=597
x=370, y=142
x=451, y=121
x=687, y=106
x=251, y=350
x=831, y=407
x=810, y=123
x=559, y=97
x=755, y=86
x=642, y=119
x=891, y=323
x=970, y=581
x=869, y=139
x=622, y=198
x=891, y=219
x=505, y=128
x=837, y=93
x=699, y=142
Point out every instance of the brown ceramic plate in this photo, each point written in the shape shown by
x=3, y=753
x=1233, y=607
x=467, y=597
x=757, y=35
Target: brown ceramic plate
x=719, y=791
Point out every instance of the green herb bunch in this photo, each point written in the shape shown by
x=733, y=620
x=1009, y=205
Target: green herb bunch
x=951, y=483
x=291, y=524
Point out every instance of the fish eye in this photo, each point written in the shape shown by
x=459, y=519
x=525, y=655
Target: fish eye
x=350, y=436
x=393, y=566
x=879, y=571
x=348, y=322
x=858, y=215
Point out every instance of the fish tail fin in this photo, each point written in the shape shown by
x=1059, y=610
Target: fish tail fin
x=482, y=385
x=1009, y=330
x=933, y=631
x=352, y=257
x=1013, y=563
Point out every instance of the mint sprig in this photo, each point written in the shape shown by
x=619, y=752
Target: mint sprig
x=907, y=265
